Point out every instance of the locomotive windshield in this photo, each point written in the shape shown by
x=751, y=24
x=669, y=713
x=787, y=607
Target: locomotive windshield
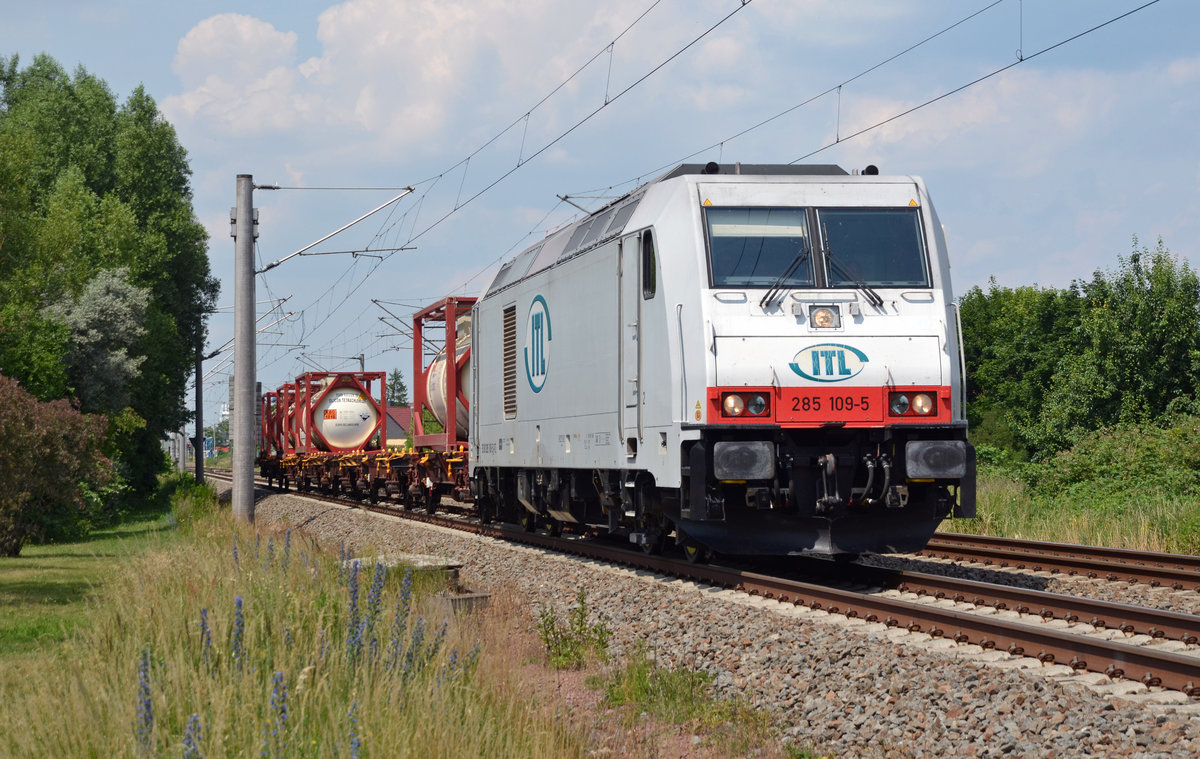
x=881, y=247
x=752, y=247
x=858, y=247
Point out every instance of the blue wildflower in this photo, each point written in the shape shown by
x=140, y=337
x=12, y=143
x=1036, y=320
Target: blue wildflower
x=237, y=645
x=374, y=604
x=353, y=740
x=192, y=735
x=279, y=712
x=354, y=630
x=145, y=706
x=208, y=656
x=414, y=655
x=400, y=620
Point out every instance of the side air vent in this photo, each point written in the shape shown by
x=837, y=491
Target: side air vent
x=510, y=362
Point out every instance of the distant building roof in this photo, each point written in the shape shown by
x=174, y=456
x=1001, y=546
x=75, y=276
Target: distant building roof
x=399, y=423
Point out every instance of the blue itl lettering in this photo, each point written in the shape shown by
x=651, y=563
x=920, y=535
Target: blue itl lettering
x=539, y=359
x=828, y=356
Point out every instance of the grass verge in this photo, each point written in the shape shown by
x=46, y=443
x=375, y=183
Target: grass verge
x=46, y=593
x=1148, y=521
x=210, y=640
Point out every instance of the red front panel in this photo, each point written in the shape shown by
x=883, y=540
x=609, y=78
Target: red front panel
x=816, y=406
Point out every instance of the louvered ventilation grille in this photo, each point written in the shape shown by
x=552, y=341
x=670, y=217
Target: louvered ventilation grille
x=510, y=362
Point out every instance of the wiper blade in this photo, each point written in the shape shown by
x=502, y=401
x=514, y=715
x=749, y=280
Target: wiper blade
x=868, y=292
x=776, y=289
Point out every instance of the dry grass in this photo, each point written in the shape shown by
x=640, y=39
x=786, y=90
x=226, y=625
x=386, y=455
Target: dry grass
x=147, y=679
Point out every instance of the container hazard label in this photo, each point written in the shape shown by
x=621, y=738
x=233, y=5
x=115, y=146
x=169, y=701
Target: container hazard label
x=331, y=413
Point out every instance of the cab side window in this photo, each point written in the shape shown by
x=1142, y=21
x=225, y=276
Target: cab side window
x=649, y=267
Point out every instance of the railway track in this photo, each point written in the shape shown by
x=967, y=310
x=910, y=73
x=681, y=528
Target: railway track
x=1113, y=564
x=1155, y=647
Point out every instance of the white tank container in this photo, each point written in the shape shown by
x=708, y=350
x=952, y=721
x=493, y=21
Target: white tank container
x=436, y=385
x=345, y=419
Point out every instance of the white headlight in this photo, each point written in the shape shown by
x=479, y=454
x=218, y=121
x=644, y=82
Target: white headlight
x=922, y=403
x=734, y=405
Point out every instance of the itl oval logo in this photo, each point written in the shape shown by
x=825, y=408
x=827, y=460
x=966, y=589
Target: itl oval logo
x=829, y=362
x=537, y=344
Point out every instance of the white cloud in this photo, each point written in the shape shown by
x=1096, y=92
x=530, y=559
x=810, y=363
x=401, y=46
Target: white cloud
x=1019, y=122
x=1184, y=71
x=239, y=78
x=229, y=47
x=403, y=73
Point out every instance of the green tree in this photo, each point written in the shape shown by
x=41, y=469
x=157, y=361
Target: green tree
x=1138, y=356
x=85, y=186
x=51, y=467
x=106, y=324
x=397, y=391
x=1014, y=340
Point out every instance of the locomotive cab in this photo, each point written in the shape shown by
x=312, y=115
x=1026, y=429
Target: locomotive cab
x=833, y=421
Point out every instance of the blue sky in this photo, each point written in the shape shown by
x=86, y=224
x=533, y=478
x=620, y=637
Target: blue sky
x=1041, y=173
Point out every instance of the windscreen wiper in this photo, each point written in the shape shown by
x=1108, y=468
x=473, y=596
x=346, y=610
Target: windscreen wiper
x=872, y=297
x=777, y=288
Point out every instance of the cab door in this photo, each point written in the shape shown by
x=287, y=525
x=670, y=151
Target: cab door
x=631, y=354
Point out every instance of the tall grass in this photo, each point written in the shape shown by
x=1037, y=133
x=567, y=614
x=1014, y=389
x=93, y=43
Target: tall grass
x=229, y=643
x=1152, y=520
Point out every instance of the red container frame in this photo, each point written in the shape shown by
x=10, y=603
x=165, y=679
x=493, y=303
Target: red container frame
x=447, y=312
x=308, y=395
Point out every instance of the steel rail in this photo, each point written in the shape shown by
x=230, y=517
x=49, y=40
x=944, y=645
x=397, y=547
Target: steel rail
x=1129, y=619
x=1116, y=555
x=1176, y=571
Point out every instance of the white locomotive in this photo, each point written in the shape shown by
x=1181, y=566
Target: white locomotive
x=753, y=359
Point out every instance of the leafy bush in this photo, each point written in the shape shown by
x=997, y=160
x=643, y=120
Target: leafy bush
x=52, y=469
x=190, y=500
x=1128, y=461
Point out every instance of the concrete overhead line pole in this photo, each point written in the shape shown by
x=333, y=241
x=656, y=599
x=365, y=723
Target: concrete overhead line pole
x=245, y=230
x=198, y=441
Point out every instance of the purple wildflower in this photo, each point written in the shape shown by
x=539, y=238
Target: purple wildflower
x=354, y=630
x=352, y=736
x=145, y=706
x=238, y=646
x=208, y=657
x=192, y=736
x=279, y=712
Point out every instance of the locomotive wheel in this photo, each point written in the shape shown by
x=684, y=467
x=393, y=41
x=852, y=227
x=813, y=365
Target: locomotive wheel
x=655, y=529
x=555, y=526
x=484, y=510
